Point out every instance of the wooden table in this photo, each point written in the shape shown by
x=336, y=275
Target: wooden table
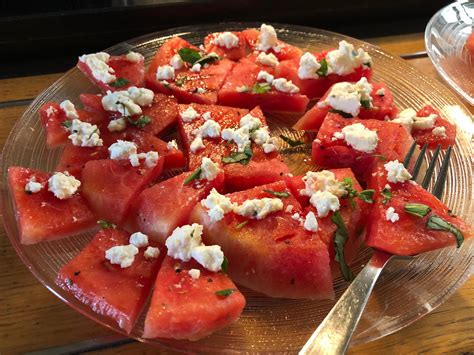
x=31, y=318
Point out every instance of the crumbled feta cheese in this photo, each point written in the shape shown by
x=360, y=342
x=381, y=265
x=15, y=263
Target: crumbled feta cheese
x=172, y=145
x=97, y=63
x=128, y=102
x=194, y=273
x=139, y=239
x=263, y=75
x=122, y=149
x=201, y=91
x=380, y=92
x=249, y=121
x=63, y=185
x=151, y=253
x=196, y=144
x=345, y=59
x=387, y=186
x=183, y=240
x=268, y=148
x=425, y=122
x=134, y=57
x=439, y=131
x=406, y=118
x=122, y=255
x=396, y=172
x=240, y=136
x=360, y=138
x=259, y=208
x=83, y=134
x=324, y=201
x=289, y=208
x=242, y=89
x=310, y=222
x=206, y=115
x=268, y=59
x=227, y=40
x=391, y=215
x=189, y=114
x=260, y=136
x=217, y=205
x=296, y=216
x=69, y=109
x=165, y=72
x=337, y=135
x=287, y=86
x=211, y=129
x=211, y=257
x=151, y=159
x=32, y=186
x=209, y=170
x=309, y=65
x=50, y=111
x=117, y=125
x=196, y=68
x=324, y=180
x=176, y=62
x=268, y=39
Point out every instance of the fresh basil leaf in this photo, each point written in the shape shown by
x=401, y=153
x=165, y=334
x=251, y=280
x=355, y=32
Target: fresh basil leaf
x=261, y=88
x=208, y=59
x=342, y=113
x=341, y=235
x=196, y=175
x=387, y=195
x=120, y=82
x=226, y=292
x=141, y=122
x=351, y=192
x=323, y=70
x=239, y=157
x=437, y=223
x=365, y=104
x=225, y=265
x=104, y=224
x=67, y=124
x=291, y=142
x=367, y=195
x=241, y=225
x=417, y=209
x=279, y=194
x=189, y=55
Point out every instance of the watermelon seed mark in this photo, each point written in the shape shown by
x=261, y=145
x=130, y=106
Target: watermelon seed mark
x=292, y=281
x=76, y=273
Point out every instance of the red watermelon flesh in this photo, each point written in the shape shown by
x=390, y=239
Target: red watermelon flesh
x=107, y=288
x=394, y=143
x=93, y=103
x=409, y=235
x=133, y=72
x=382, y=107
x=158, y=210
x=274, y=255
x=244, y=75
x=287, y=51
x=186, y=308
x=111, y=185
x=426, y=136
x=234, y=53
x=41, y=216
x=73, y=158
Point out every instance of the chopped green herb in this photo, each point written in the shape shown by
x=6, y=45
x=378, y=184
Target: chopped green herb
x=166, y=84
x=104, y=224
x=241, y=225
x=340, y=238
x=342, y=113
x=279, y=194
x=380, y=157
x=180, y=81
x=239, y=157
x=226, y=293
x=119, y=83
x=323, y=70
x=67, y=124
x=141, y=122
x=189, y=55
x=225, y=265
x=351, y=192
x=366, y=195
x=207, y=59
x=365, y=104
x=196, y=175
x=417, y=209
x=261, y=88
x=291, y=142
x=437, y=223
x=387, y=195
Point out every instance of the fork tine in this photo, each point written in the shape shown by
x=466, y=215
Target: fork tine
x=409, y=155
x=443, y=172
x=429, y=172
x=419, y=161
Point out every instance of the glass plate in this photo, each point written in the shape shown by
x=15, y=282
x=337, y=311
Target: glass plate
x=445, y=37
x=406, y=291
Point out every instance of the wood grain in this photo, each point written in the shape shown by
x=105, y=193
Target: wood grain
x=31, y=318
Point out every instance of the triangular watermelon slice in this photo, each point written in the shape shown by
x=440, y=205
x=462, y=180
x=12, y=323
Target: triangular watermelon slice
x=40, y=215
x=186, y=308
x=107, y=288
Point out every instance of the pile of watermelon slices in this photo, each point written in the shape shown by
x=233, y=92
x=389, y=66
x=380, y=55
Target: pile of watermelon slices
x=232, y=213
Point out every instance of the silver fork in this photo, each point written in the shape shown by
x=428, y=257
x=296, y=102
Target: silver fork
x=335, y=332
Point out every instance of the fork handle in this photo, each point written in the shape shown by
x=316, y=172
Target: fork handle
x=335, y=332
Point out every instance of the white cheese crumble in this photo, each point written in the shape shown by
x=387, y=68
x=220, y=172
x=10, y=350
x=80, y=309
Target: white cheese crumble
x=176, y=62
x=151, y=159
x=242, y=89
x=151, y=253
x=206, y=115
x=324, y=180
x=196, y=68
x=345, y=59
x=268, y=39
x=337, y=135
x=69, y=109
x=410, y=120
x=117, y=125
x=217, y=205
x=196, y=144
x=396, y=172
x=165, y=72
x=227, y=40
x=296, y=216
x=201, y=91
x=128, y=102
x=265, y=76
x=210, y=129
x=425, y=122
x=194, y=273
x=259, y=208
x=83, y=134
x=439, y=131
x=309, y=65
x=249, y=121
x=172, y=145
x=260, y=136
x=268, y=59
x=269, y=147
x=380, y=92
x=240, y=136
x=324, y=201
x=289, y=208
x=360, y=138
x=139, y=239
x=97, y=63
x=209, y=169
x=122, y=149
x=189, y=115
x=50, y=111
x=310, y=222
x=134, y=57
x=287, y=86
x=183, y=240
x=391, y=215
x=211, y=257
x=122, y=255
x=32, y=186
x=63, y=185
